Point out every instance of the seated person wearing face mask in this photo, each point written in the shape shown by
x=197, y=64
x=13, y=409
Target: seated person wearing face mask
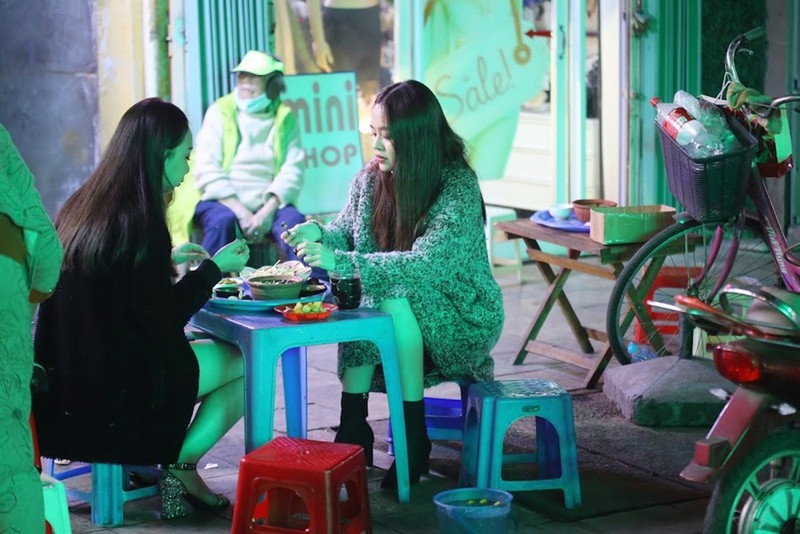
x=248, y=160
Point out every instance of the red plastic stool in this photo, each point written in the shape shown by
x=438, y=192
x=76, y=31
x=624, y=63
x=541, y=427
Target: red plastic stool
x=295, y=485
x=666, y=323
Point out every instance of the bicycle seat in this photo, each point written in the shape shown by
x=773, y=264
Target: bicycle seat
x=772, y=310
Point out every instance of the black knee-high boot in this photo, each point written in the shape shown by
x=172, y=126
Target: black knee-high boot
x=353, y=426
x=419, y=446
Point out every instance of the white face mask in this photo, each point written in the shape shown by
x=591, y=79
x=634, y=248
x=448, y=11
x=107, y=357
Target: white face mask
x=251, y=105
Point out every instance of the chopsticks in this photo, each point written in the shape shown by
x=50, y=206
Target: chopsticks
x=238, y=234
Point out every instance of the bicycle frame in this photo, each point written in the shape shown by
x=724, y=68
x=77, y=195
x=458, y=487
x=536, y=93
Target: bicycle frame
x=768, y=221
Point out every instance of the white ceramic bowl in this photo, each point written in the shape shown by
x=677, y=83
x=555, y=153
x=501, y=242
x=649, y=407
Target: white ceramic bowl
x=560, y=212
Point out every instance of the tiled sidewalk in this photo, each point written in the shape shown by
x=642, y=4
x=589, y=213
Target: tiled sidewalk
x=628, y=474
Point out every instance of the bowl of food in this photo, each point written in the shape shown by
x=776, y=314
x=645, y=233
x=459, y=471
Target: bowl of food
x=560, y=212
x=284, y=269
x=583, y=207
x=275, y=287
x=228, y=287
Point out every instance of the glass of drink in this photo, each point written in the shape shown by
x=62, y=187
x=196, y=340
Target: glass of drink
x=346, y=289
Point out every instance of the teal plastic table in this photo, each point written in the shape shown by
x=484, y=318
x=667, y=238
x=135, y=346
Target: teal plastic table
x=265, y=336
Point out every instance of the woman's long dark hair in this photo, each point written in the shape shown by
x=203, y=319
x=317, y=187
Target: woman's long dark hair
x=424, y=146
x=112, y=218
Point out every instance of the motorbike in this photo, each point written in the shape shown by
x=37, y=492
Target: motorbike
x=752, y=452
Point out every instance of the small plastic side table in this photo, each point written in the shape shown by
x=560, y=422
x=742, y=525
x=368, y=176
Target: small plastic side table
x=264, y=337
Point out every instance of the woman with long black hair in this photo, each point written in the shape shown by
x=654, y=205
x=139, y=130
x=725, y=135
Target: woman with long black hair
x=413, y=228
x=124, y=380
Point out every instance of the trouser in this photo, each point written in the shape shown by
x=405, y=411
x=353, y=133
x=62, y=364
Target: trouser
x=219, y=226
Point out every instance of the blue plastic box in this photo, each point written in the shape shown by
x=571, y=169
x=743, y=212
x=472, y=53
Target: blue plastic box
x=444, y=419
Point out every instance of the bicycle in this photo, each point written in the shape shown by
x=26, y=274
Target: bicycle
x=716, y=241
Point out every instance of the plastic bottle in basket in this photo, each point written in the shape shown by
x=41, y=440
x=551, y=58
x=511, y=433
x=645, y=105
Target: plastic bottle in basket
x=710, y=116
x=686, y=130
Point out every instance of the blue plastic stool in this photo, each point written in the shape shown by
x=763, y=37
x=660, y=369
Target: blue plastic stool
x=492, y=408
x=110, y=489
x=444, y=418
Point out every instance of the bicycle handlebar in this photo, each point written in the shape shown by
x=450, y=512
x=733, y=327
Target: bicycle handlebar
x=730, y=67
x=730, y=55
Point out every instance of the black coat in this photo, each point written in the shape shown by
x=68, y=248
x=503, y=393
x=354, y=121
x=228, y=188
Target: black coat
x=123, y=378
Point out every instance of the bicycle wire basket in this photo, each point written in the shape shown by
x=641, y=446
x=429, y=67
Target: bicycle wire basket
x=711, y=188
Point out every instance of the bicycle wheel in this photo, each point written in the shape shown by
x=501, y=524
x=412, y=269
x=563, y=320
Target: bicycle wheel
x=682, y=256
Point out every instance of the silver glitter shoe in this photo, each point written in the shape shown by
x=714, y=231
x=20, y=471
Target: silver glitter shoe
x=173, y=496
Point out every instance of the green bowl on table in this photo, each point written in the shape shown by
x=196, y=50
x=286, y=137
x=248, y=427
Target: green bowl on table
x=275, y=287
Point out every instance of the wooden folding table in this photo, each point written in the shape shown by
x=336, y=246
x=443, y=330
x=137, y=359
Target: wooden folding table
x=611, y=262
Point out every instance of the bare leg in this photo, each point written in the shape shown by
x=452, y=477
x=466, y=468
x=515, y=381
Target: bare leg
x=357, y=379
x=409, y=347
x=221, y=395
x=409, y=350
x=410, y=356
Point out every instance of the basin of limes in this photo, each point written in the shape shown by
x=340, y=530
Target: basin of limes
x=473, y=511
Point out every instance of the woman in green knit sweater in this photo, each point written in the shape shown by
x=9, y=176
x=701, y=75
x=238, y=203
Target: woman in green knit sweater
x=413, y=228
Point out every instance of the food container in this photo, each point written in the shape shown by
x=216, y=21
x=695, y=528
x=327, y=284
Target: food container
x=290, y=313
x=629, y=224
x=225, y=292
x=275, y=287
x=583, y=207
x=473, y=510
x=228, y=287
x=286, y=269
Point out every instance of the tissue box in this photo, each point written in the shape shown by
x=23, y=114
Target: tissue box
x=629, y=224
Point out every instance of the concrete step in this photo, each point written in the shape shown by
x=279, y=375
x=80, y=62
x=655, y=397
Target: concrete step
x=668, y=391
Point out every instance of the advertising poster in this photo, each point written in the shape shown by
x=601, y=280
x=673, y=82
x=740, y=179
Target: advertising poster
x=327, y=113
x=483, y=63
